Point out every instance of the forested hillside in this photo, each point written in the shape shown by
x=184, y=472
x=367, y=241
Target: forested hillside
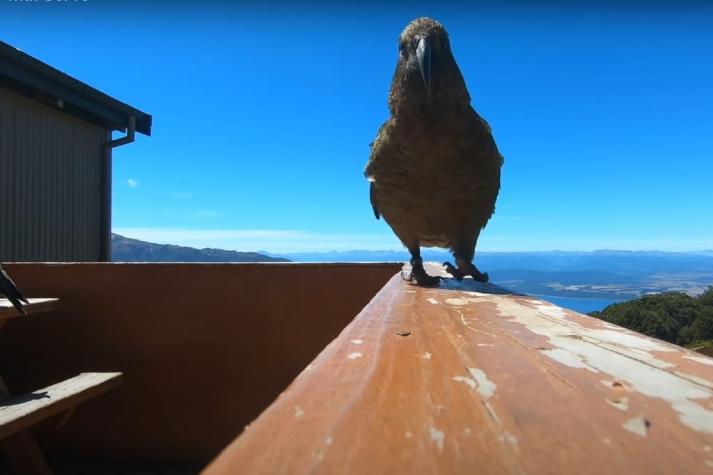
x=670, y=316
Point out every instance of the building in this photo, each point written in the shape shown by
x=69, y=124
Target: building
x=55, y=161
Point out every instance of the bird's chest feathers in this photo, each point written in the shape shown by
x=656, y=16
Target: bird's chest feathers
x=431, y=152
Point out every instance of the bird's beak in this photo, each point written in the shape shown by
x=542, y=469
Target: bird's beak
x=423, y=53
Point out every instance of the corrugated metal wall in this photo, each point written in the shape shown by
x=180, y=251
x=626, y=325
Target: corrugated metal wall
x=50, y=183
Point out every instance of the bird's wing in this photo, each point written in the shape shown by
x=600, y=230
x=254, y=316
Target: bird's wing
x=372, y=198
x=377, y=152
x=488, y=161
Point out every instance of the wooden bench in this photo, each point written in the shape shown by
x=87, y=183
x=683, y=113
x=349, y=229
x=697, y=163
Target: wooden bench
x=18, y=414
x=22, y=412
x=7, y=310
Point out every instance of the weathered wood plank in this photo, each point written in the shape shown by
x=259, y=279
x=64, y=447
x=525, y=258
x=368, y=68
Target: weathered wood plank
x=24, y=411
x=36, y=305
x=467, y=378
x=20, y=449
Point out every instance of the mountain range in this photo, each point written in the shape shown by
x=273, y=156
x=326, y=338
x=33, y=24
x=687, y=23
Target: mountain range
x=583, y=281
x=124, y=249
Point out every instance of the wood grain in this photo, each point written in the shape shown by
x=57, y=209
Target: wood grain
x=36, y=305
x=24, y=411
x=469, y=378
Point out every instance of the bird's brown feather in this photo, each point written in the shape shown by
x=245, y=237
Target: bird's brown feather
x=434, y=165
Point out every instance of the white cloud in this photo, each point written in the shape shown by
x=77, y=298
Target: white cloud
x=132, y=182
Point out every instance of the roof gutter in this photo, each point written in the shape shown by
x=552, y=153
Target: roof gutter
x=130, y=131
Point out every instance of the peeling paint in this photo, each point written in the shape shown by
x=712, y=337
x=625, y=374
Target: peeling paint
x=568, y=359
x=426, y=355
x=550, y=310
x=486, y=387
x=479, y=381
x=700, y=359
x=438, y=438
x=458, y=301
x=408, y=434
x=622, y=403
x=491, y=412
x=637, y=425
x=467, y=431
x=328, y=440
x=433, y=301
x=354, y=355
x=624, y=356
x=696, y=379
x=508, y=438
x=299, y=412
x=465, y=322
x=357, y=342
x=464, y=379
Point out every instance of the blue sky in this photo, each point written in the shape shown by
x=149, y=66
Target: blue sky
x=263, y=116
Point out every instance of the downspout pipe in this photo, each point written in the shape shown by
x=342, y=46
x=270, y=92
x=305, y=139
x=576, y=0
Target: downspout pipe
x=105, y=221
x=130, y=131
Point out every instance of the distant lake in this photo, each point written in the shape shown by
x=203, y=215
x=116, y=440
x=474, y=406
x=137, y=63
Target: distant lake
x=578, y=304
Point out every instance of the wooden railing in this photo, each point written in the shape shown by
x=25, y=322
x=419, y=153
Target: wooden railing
x=204, y=349
x=468, y=378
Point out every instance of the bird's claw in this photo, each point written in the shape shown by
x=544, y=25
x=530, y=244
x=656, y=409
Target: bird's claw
x=481, y=277
x=424, y=279
x=454, y=271
x=458, y=273
x=419, y=275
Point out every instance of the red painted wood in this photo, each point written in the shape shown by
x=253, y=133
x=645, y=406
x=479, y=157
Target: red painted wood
x=464, y=379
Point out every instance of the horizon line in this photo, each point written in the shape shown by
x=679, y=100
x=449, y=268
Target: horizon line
x=404, y=250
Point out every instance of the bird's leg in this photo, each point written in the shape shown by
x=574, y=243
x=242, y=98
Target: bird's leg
x=454, y=271
x=468, y=268
x=418, y=273
x=464, y=259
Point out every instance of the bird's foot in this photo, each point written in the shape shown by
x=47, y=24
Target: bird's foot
x=419, y=275
x=454, y=271
x=468, y=269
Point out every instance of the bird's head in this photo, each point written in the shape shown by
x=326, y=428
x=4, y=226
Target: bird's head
x=426, y=71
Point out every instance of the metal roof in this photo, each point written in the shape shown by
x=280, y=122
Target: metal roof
x=31, y=77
